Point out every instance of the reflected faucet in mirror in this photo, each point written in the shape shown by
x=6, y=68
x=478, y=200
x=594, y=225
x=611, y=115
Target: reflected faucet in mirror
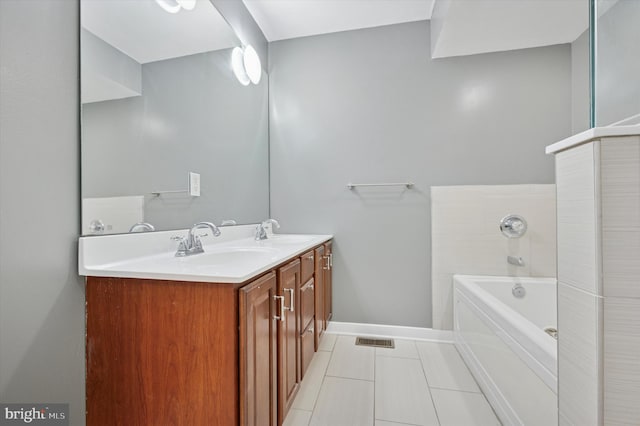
x=142, y=227
x=134, y=109
x=261, y=232
x=192, y=244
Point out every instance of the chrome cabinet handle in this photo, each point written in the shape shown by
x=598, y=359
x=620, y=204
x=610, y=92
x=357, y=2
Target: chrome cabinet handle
x=331, y=260
x=328, y=265
x=291, y=307
x=281, y=316
x=310, y=330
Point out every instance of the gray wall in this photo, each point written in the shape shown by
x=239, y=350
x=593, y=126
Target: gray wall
x=204, y=122
x=41, y=295
x=42, y=301
x=618, y=63
x=371, y=106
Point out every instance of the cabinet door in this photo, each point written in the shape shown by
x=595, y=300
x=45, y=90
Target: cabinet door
x=288, y=337
x=328, y=283
x=306, y=266
x=306, y=348
x=319, y=294
x=307, y=304
x=258, y=345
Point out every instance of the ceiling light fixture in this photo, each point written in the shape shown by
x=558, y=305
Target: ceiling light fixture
x=237, y=63
x=252, y=64
x=171, y=6
x=246, y=65
x=174, y=6
x=187, y=4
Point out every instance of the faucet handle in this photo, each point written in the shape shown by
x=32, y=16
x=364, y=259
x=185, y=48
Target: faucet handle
x=272, y=221
x=197, y=242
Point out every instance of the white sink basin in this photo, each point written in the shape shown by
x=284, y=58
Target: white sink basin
x=234, y=257
x=230, y=256
x=289, y=239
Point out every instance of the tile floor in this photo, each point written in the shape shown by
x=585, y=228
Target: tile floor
x=417, y=383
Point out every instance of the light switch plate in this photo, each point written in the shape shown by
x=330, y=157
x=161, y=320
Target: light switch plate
x=194, y=184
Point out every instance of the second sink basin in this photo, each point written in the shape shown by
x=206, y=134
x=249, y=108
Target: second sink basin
x=289, y=239
x=230, y=256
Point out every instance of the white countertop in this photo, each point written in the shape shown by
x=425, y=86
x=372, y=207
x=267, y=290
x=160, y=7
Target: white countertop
x=235, y=257
x=590, y=134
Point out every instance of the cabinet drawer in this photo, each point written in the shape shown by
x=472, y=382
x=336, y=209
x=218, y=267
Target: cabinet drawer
x=306, y=267
x=307, y=299
x=307, y=347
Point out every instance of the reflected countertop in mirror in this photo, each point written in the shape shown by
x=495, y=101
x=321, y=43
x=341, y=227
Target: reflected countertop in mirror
x=160, y=101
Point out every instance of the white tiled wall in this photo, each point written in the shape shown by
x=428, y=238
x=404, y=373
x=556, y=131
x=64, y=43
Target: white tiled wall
x=620, y=195
x=621, y=360
x=620, y=187
x=466, y=239
x=598, y=272
x=579, y=326
x=576, y=186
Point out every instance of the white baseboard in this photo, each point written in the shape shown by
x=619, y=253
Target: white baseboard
x=417, y=333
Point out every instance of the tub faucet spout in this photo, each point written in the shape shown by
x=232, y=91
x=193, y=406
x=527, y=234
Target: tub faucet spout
x=517, y=261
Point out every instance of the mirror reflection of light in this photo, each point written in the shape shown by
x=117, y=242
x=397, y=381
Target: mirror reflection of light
x=170, y=6
x=246, y=65
x=252, y=64
x=474, y=97
x=174, y=6
x=237, y=63
x=187, y=4
x=157, y=128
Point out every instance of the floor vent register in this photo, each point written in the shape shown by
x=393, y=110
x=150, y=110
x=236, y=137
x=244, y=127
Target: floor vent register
x=376, y=343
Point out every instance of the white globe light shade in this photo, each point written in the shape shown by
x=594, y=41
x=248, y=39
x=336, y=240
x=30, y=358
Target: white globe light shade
x=252, y=64
x=187, y=4
x=170, y=6
x=237, y=64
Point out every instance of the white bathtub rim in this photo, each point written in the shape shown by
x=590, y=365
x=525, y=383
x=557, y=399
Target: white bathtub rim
x=538, y=344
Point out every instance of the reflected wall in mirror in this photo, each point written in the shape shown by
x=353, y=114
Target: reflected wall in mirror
x=160, y=101
x=617, y=64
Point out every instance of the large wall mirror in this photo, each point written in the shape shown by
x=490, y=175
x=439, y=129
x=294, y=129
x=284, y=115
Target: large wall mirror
x=160, y=101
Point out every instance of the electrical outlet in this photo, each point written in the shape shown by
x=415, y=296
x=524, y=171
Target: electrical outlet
x=194, y=184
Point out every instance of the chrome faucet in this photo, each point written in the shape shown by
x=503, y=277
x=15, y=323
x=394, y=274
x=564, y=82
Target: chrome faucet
x=142, y=227
x=261, y=232
x=515, y=260
x=191, y=244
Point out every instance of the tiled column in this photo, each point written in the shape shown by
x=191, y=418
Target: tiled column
x=598, y=187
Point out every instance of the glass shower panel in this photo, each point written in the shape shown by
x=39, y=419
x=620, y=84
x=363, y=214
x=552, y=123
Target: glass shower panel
x=617, y=63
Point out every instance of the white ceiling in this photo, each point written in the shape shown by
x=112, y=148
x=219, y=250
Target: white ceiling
x=146, y=33
x=284, y=19
x=459, y=27
x=466, y=27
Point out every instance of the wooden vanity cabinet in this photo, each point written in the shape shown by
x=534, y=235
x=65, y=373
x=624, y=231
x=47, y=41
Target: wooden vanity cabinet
x=328, y=283
x=161, y=352
x=199, y=353
x=319, y=294
x=307, y=311
x=288, y=337
x=258, y=353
